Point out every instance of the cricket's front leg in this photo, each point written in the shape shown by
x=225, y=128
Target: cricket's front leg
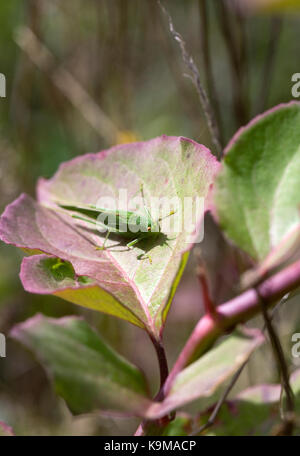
x=132, y=243
x=135, y=241
x=106, y=237
x=143, y=256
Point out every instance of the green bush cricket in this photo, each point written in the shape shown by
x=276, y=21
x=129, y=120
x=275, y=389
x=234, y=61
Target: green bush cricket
x=128, y=224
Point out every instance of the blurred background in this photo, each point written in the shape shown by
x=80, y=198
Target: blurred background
x=83, y=75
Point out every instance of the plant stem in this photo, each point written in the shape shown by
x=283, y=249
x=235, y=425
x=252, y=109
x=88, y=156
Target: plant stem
x=204, y=33
x=212, y=418
x=209, y=306
x=237, y=310
x=217, y=408
x=195, y=77
x=231, y=313
x=164, y=372
x=281, y=363
x=163, y=364
x=63, y=80
x=187, y=98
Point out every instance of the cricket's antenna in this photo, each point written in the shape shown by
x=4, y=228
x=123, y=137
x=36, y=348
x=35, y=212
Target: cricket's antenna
x=142, y=193
x=84, y=219
x=142, y=190
x=144, y=202
x=165, y=216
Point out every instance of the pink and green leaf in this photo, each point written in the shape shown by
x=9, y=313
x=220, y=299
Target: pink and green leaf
x=127, y=287
x=254, y=411
x=202, y=378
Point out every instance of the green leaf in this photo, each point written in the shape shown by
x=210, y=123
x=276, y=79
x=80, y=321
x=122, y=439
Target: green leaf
x=180, y=426
x=255, y=411
x=257, y=192
x=241, y=418
x=202, y=378
x=87, y=373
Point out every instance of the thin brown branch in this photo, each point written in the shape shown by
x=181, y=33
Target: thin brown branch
x=195, y=77
x=205, y=44
x=164, y=372
x=164, y=43
x=213, y=416
x=281, y=365
x=162, y=362
x=67, y=84
x=238, y=310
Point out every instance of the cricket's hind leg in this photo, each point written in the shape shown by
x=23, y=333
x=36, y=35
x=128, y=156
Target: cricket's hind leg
x=102, y=247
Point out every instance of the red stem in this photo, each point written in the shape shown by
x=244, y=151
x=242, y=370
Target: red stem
x=164, y=371
x=162, y=361
x=208, y=304
x=237, y=310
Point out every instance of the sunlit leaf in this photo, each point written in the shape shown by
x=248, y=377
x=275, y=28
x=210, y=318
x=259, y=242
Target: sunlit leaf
x=257, y=192
x=124, y=282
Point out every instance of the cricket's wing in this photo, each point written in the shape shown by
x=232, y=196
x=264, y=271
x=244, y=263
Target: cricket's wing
x=83, y=210
x=115, y=220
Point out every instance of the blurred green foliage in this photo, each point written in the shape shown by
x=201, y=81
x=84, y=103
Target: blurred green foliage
x=121, y=53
